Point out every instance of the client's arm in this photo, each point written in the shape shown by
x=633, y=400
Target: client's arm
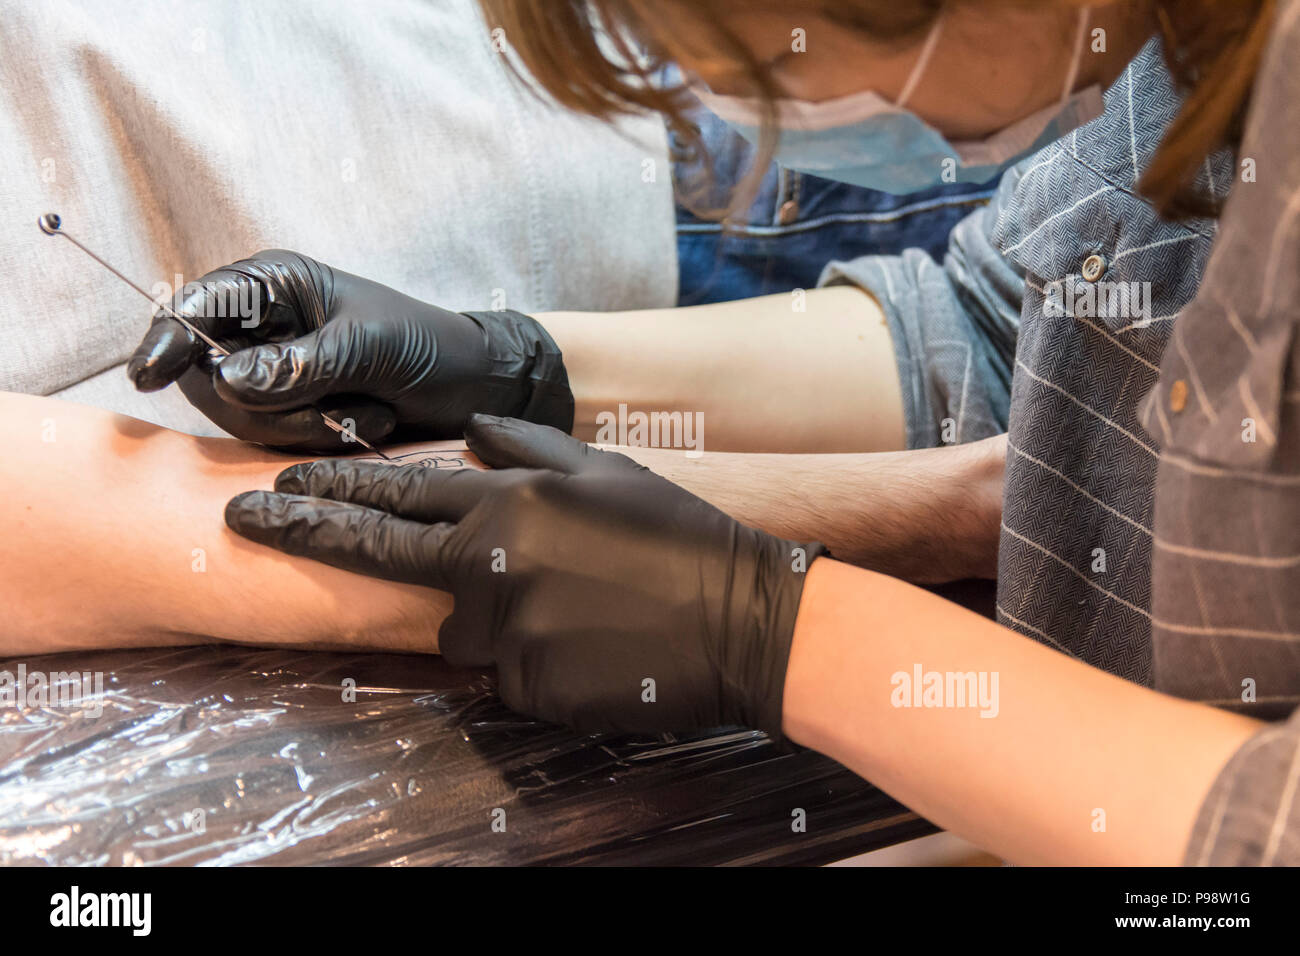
x=112, y=535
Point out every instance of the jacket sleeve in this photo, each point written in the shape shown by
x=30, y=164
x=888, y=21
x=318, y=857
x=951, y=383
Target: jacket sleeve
x=954, y=325
x=1251, y=816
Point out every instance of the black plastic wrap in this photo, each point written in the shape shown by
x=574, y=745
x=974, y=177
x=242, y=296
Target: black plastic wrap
x=227, y=755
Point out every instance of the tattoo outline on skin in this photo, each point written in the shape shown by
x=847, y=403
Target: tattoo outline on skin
x=424, y=459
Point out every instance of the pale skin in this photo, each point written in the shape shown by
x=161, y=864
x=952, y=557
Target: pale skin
x=109, y=519
x=1068, y=740
x=764, y=376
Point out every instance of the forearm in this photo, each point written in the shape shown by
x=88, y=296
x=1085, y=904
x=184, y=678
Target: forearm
x=113, y=536
x=928, y=516
x=1072, y=765
x=776, y=374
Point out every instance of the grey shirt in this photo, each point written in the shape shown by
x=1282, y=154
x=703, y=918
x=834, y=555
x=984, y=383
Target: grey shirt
x=175, y=136
x=983, y=347
x=1156, y=543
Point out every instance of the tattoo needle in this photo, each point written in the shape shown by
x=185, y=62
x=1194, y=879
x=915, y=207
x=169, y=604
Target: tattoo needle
x=52, y=225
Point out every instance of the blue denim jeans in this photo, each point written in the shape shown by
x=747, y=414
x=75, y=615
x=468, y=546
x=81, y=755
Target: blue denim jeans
x=796, y=223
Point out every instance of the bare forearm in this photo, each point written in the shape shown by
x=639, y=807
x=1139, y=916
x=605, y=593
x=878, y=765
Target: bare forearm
x=927, y=516
x=1061, y=763
x=113, y=536
x=813, y=373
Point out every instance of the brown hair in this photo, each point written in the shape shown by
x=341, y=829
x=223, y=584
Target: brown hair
x=599, y=57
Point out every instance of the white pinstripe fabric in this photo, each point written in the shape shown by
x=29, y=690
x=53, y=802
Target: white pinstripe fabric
x=1075, y=556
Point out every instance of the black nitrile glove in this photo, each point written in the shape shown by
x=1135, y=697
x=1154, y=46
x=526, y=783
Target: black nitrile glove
x=580, y=574
x=304, y=335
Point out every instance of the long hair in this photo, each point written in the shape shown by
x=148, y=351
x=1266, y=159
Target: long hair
x=601, y=57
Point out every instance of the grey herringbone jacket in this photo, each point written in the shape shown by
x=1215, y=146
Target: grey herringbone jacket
x=980, y=344
x=1151, y=514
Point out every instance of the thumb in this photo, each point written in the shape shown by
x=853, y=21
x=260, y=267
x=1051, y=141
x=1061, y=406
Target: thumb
x=162, y=356
x=515, y=443
x=219, y=304
x=283, y=375
x=463, y=640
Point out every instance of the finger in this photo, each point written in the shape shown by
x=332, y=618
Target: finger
x=163, y=355
x=304, y=429
x=299, y=429
x=463, y=640
x=408, y=491
x=343, y=535
x=304, y=371
x=514, y=443
x=221, y=306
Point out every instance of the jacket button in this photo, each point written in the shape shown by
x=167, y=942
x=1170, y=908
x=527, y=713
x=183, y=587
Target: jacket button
x=1178, y=396
x=1093, y=267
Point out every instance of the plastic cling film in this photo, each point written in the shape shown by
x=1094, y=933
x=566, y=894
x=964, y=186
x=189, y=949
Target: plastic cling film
x=229, y=755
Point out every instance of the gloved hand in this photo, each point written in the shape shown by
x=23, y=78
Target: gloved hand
x=578, y=573
x=303, y=334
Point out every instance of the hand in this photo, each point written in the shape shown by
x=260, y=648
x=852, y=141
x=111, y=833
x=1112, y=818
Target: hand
x=580, y=574
x=303, y=335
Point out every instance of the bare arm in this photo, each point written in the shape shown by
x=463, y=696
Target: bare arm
x=803, y=422
x=112, y=535
x=815, y=373
x=1066, y=747
x=928, y=516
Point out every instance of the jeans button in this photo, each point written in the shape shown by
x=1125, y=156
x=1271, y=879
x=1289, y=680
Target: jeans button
x=788, y=212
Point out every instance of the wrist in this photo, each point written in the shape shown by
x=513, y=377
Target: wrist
x=771, y=608
x=930, y=516
x=519, y=346
x=815, y=666
x=979, y=483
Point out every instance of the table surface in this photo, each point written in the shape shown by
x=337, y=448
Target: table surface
x=233, y=755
